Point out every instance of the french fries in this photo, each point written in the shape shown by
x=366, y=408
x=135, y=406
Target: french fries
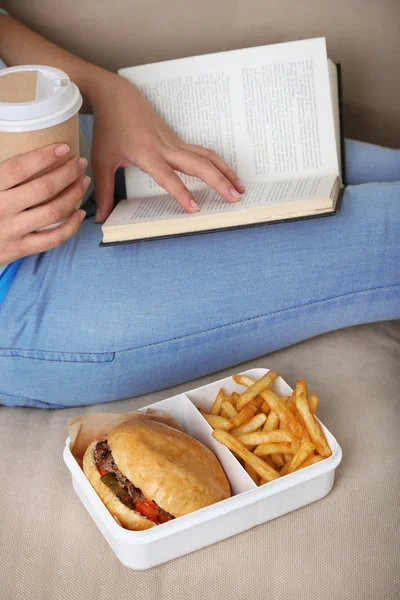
x=234, y=398
x=316, y=435
x=243, y=380
x=228, y=410
x=264, y=449
x=216, y=421
x=267, y=437
x=256, y=388
x=259, y=466
x=313, y=402
x=265, y=408
x=247, y=412
x=272, y=422
x=254, y=423
x=282, y=412
x=270, y=435
x=216, y=407
x=297, y=459
x=252, y=473
x=276, y=459
x=314, y=458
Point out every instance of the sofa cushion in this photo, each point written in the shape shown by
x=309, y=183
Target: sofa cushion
x=345, y=546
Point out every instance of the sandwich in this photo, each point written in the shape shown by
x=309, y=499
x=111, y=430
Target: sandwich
x=147, y=473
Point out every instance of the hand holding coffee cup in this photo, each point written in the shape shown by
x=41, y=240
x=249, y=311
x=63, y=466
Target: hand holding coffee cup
x=39, y=160
x=29, y=204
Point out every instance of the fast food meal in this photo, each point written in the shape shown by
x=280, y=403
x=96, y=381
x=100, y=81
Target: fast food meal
x=147, y=473
x=271, y=435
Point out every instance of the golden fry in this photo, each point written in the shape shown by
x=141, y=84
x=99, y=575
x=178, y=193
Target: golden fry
x=295, y=446
x=253, y=424
x=267, y=437
x=223, y=413
x=260, y=467
x=216, y=407
x=305, y=435
x=272, y=422
x=228, y=410
x=301, y=387
x=265, y=408
x=252, y=473
x=234, y=398
x=294, y=463
x=268, y=460
x=314, y=458
x=216, y=421
x=316, y=435
x=247, y=412
x=243, y=380
x=256, y=389
x=292, y=404
x=264, y=449
x=313, y=402
x=287, y=457
x=277, y=459
x=283, y=412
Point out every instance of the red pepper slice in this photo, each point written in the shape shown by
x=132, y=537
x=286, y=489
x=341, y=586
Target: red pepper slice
x=148, y=510
x=103, y=472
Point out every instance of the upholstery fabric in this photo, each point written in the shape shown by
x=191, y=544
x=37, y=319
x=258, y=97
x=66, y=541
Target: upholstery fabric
x=343, y=547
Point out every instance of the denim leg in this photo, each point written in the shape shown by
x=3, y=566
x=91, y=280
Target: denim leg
x=83, y=325
x=366, y=163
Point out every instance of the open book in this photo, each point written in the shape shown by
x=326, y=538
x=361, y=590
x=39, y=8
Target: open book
x=271, y=112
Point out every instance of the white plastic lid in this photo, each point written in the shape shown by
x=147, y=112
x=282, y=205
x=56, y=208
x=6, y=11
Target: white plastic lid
x=57, y=99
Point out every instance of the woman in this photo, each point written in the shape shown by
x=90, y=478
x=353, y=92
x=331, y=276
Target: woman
x=81, y=325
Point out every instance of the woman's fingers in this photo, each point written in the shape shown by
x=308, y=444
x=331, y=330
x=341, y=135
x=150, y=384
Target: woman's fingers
x=103, y=176
x=166, y=177
x=202, y=167
x=42, y=188
x=218, y=162
x=104, y=189
x=34, y=243
x=15, y=171
x=55, y=211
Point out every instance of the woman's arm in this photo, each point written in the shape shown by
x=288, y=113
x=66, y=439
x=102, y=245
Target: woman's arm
x=127, y=130
x=21, y=46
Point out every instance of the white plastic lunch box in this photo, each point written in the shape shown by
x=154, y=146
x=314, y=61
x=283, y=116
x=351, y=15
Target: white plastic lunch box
x=249, y=506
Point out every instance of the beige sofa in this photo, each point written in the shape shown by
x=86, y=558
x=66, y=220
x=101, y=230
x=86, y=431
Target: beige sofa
x=344, y=547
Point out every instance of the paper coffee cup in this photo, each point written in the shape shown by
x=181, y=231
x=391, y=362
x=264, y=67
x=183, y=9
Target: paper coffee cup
x=38, y=106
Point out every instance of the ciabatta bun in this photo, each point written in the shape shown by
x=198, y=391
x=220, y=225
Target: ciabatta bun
x=171, y=468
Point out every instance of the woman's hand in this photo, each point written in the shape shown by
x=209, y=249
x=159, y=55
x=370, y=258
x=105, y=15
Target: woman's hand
x=20, y=218
x=128, y=131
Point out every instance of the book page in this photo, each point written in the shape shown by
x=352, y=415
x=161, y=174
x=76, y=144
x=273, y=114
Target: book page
x=163, y=207
x=266, y=110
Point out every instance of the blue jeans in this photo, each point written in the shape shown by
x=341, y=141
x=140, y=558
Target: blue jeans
x=82, y=325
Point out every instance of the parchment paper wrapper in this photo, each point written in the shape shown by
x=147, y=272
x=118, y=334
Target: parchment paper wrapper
x=84, y=429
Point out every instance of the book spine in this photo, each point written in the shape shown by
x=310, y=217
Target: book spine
x=341, y=124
